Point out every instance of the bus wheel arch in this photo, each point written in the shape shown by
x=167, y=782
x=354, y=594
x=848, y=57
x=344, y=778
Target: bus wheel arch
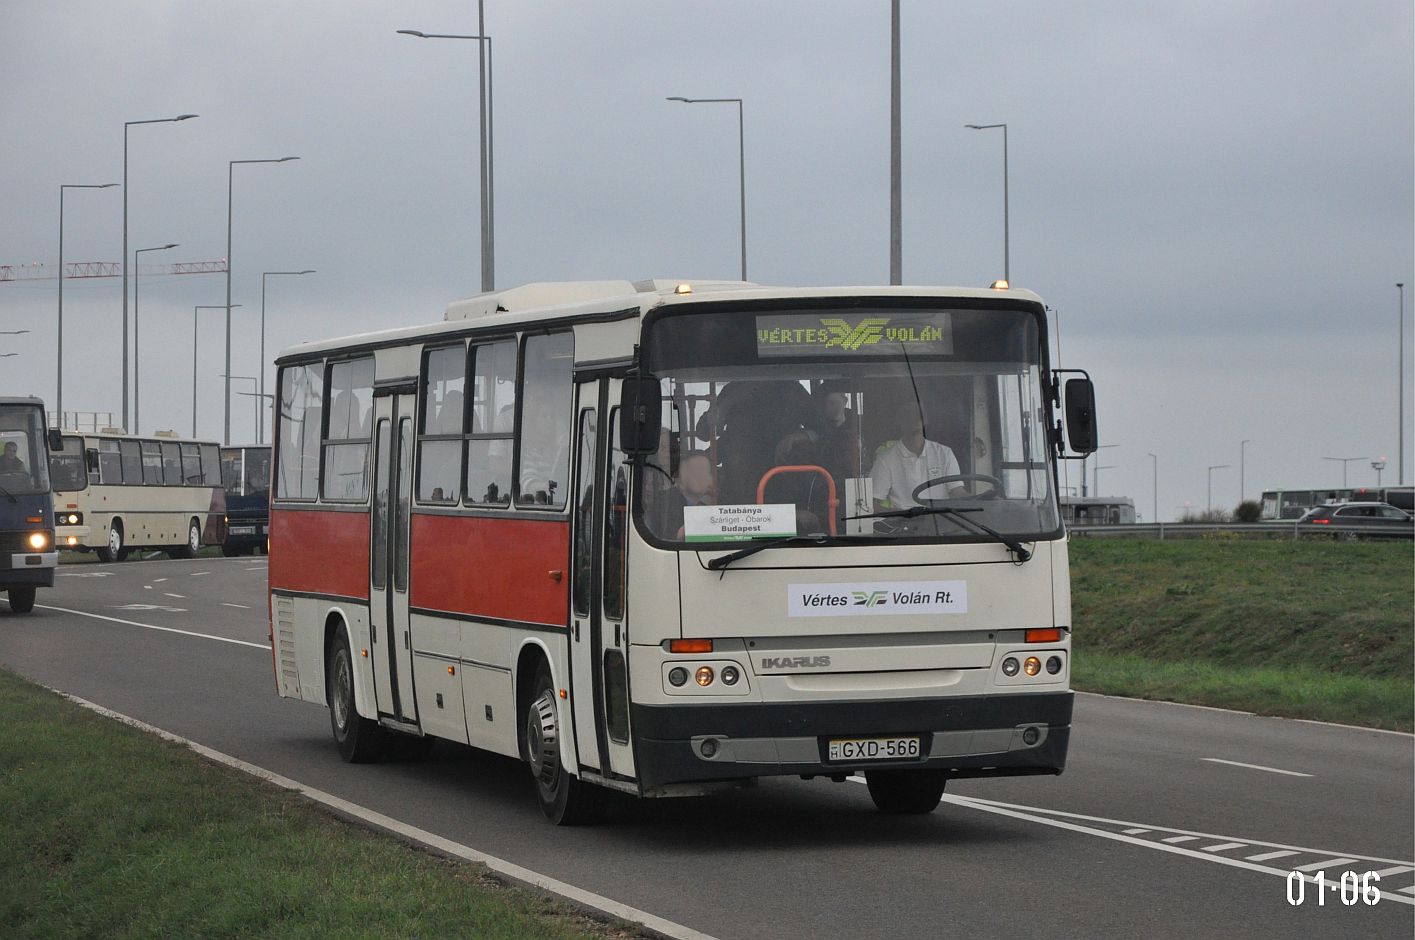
x=564, y=798
x=359, y=739
x=528, y=663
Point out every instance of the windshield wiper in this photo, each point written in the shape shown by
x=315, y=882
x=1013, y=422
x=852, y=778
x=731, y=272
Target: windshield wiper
x=1013, y=545
x=8, y=495
x=722, y=561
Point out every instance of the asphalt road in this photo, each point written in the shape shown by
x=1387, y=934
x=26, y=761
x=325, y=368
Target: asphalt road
x=1156, y=829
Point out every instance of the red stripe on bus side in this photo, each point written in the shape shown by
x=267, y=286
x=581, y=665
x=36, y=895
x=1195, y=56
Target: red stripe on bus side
x=494, y=568
x=319, y=552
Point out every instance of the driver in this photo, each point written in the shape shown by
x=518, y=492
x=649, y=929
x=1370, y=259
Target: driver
x=9, y=462
x=909, y=462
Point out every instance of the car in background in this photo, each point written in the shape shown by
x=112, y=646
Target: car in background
x=1360, y=520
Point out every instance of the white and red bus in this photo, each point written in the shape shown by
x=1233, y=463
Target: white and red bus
x=666, y=538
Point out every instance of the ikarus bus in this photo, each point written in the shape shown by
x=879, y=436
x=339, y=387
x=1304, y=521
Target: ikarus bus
x=666, y=538
x=27, y=554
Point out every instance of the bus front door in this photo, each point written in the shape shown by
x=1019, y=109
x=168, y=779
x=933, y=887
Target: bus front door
x=392, y=651
x=599, y=638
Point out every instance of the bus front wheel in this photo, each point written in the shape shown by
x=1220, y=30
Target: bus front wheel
x=360, y=740
x=906, y=792
x=22, y=599
x=114, y=550
x=565, y=800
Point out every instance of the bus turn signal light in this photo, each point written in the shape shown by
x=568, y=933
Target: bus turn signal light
x=1044, y=635
x=1032, y=665
x=703, y=676
x=690, y=646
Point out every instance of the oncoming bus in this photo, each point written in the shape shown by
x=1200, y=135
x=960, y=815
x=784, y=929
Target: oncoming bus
x=115, y=492
x=27, y=554
x=245, y=475
x=663, y=539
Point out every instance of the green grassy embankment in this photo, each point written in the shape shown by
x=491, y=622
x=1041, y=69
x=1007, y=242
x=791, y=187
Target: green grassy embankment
x=1301, y=629
x=110, y=832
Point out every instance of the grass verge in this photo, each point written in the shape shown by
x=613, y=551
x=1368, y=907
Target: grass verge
x=1301, y=629
x=111, y=832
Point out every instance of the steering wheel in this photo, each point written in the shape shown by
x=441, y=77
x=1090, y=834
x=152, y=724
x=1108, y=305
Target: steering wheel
x=930, y=501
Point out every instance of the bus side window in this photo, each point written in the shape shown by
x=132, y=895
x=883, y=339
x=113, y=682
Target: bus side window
x=301, y=405
x=346, y=443
x=441, y=415
x=131, y=452
x=91, y=465
x=616, y=523
x=545, y=421
x=171, y=464
x=191, y=465
x=151, y=463
x=492, y=424
x=110, y=463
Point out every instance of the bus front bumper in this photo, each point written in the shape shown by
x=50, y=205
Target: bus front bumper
x=966, y=736
x=28, y=568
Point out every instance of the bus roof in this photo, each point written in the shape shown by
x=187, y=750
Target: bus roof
x=534, y=302
x=119, y=434
x=20, y=400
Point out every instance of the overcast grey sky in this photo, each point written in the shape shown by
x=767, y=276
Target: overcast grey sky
x=1217, y=197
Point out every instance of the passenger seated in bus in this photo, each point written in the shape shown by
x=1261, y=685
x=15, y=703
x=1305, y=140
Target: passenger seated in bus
x=837, y=431
x=10, y=462
x=807, y=490
x=910, y=461
x=693, y=487
x=749, y=419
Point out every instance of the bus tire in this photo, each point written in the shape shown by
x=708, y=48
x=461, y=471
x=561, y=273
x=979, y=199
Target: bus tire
x=565, y=800
x=906, y=792
x=114, y=550
x=360, y=740
x=190, y=549
x=22, y=599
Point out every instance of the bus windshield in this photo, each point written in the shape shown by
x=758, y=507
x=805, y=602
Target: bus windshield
x=858, y=422
x=245, y=471
x=24, y=464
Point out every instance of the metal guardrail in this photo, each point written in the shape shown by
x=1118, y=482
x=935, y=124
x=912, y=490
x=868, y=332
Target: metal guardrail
x=1249, y=530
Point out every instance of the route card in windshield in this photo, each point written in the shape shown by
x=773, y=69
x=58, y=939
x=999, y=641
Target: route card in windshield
x=738, y=523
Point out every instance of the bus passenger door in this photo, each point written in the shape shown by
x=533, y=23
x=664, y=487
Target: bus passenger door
x=598, y=637
x=388, y=558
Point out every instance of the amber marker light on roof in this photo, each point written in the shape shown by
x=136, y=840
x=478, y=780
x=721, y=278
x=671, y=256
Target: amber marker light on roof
x=999, y=285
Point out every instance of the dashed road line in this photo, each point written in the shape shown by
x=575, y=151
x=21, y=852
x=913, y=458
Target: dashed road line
x=1324, y=863
x=179, y=596
x=501, y=866
x=150, y=626
x=1172, y=840
x=1271, y=770
x=198, y=574
x=242, y=606
x=1223, y=847
x=1271, y=855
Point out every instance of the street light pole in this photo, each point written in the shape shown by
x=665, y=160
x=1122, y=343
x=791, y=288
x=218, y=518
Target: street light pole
x=1155, y=461
x=741, y=167
x=1344, y=461
x=1242, y=456
x=1400, y=418
x=1378, y=466
x=59, y=363
x=1220, y=466
x=126, y=125
x=137, y=347
x=195, y=321
x=230, y=174
x=488, y=196
x=260, y=425
x=1006, y=215
x=896, y=187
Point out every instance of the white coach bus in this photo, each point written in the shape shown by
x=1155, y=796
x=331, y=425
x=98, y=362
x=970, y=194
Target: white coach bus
x=115, y=492
x=664, y=538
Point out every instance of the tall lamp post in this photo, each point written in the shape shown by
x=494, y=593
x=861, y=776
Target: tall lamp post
x=230, y=173
x=896, y=159
x=1242, y=462
x=260, y=425
x=1096, y=477
x=137, y=347
x=1006, y=233
x=1378, y=466
x=1345, y=462
x=484, y=96
x=1400, y=417
x=1220, y=466
x=195, y=321
x=126, y=125
x=59, y=364
x=741, y=167
x=1155, y=468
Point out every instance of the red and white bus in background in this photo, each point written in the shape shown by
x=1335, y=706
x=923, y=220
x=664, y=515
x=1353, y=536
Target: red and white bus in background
x=663, y=538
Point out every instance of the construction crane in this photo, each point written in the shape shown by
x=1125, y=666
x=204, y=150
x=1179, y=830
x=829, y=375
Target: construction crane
x=38, y=271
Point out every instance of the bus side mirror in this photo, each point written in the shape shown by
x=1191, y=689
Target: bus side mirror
x=54, y=439
x=1081, y=415
x=640, y=415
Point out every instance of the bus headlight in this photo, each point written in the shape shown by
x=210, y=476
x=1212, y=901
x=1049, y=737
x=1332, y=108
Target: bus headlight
x=730, y=675
x=677, y=676
x=1010, y=666
x=39, y=541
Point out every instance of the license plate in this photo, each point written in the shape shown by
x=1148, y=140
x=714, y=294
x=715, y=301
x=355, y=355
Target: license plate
x=242, y=530
x=874, y=749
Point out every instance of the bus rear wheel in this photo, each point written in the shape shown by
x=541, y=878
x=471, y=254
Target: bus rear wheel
x=190, y=549
x=114, y=550
x=565, y=800
x=906, y=792
x=22, y=599
x=360, y=740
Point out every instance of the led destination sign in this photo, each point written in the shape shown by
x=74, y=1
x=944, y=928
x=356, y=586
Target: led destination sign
x=921, y=333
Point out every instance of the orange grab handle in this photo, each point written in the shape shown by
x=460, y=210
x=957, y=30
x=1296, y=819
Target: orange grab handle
x=831, y=498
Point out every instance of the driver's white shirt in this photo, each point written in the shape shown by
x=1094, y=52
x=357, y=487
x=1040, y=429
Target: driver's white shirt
x=899, y=470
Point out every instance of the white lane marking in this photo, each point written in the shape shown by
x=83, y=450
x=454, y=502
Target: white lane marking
x=150, y=626
x=1266, y=856
x=198, y=574
x=1409, y=890
x=1222, y=846
x=1325, y=863
x=242, y=606
x=1398, y=870
x=1136, y=832
x=511, y=870
x=85, y=574
x=1271, y=770
x=158, y=580
x=147, y=587
x=161, y=607
x=179, y=596
x=988, y=806
x=1176, y=839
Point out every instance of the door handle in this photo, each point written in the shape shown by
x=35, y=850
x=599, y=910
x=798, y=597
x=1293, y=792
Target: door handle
x=556, y=575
